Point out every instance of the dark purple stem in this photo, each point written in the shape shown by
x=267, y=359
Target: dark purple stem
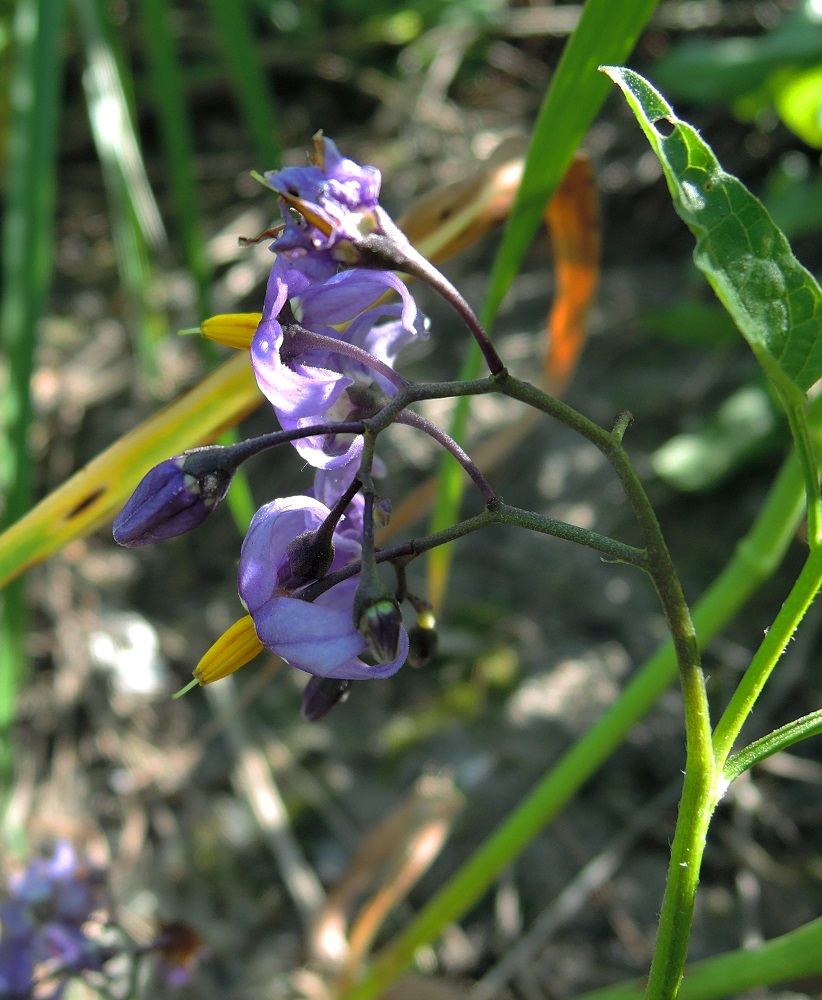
x=311, y=341
x=413, y=419
x=390, y=247
x=235, y=454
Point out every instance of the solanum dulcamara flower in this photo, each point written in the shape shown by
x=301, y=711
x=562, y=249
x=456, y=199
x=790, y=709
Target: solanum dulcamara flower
x=335, y=201
x=318, y=637
x=56, y=925
x=308, y=292
x=323, y=353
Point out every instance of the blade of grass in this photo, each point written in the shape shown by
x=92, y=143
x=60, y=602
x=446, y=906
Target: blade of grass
x=95, y=493
x=233, y=25
x=27, y=259
x=168, y=94
x=571, y=103
x=137, y=227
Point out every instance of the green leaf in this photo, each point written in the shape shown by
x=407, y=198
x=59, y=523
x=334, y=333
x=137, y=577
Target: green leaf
x=798, y=100
x=773, y=299
x=776, y=742
x=699, y=69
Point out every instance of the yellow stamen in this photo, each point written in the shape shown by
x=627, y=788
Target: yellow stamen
x=232, y=329
x=231, y=651
x=305, y=210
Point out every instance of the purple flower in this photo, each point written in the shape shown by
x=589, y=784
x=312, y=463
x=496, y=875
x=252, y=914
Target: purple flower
x=338, y=199
x=318, y=637
x=42, y=937
x=307, y=383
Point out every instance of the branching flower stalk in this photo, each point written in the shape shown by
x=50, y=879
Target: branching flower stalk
x=323, y=354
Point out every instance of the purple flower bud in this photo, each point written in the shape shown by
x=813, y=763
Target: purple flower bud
x=173, y=497
x=320, y=695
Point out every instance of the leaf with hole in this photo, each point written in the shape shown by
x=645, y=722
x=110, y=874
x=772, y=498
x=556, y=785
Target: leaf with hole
x=773, y=299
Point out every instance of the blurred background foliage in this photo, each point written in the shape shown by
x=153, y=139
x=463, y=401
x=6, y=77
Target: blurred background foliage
x=128, y=130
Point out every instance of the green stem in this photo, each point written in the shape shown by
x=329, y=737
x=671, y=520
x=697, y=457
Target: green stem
x=773, y=645
x=559, y=785
x=755, y=559
x=798, y=420
x=697, y=801
x=791, y=956
x=780, y=739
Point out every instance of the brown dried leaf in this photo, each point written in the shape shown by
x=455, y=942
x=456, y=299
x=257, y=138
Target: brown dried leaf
x=390, y=860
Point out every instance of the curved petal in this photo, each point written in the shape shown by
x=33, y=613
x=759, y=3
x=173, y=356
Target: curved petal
x=343, y=296
x=320, y=640
x=325, y=451
x=272, y=528
x=309, y=636
x=297, y=389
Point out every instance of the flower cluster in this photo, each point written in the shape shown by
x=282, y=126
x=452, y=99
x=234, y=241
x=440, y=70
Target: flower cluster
x=305, y=367
x=54, y=924
x=334, y=319
x=44, y=920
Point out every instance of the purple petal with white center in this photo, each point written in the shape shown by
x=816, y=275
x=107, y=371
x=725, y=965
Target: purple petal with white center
x=325, y=451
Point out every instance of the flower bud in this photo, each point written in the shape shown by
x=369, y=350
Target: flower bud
x=172, y=498
x=321, y=694
x=379, y=622
x=383, y=509
x=422, y=640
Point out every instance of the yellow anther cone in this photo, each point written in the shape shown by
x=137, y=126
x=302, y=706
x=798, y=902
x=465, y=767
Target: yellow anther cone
x=232, y=650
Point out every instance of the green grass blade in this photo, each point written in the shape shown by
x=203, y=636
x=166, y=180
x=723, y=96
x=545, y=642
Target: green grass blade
x=571, y=103
x=27, y=258
x=137, y=226
x=232, y=22
x=168, y=95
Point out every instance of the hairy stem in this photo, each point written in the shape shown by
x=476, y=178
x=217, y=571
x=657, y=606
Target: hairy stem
x=697, y=801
